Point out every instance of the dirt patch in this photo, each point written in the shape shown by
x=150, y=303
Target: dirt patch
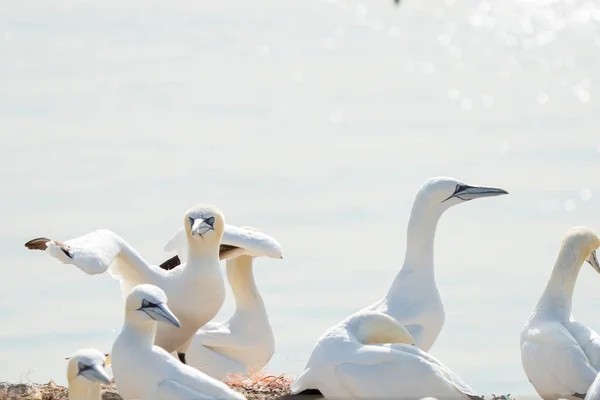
x=257, y=388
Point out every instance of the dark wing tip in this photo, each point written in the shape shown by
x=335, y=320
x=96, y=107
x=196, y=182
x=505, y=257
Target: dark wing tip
x=65, y=250
x=40, y=244
x=37, y=243
x=170, y=263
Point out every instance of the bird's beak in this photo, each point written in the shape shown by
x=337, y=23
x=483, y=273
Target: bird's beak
x=200, y=227
x=477, y=192
x=593, y=260
x=96, y=373
x=160, y=312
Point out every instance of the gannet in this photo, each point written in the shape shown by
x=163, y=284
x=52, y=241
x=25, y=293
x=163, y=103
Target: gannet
x=413, y=298
x=85, y=373
x=244, y=343
x=144, y=371
x=372, y=356
x=235, y=241
x=196, y=288
x=560, y=356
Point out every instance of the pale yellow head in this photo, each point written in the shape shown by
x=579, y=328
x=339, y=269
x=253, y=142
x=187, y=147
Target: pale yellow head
x=203, y=223
x=87, y=367
x=379, y=328
x=582, y=242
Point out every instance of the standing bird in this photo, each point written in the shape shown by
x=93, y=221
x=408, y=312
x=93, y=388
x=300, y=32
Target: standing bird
x=85, y=373
x=196, y=289
x=560, y=356
x=144, y=371
x=413, y=298
x=244, y=343
x=246, y=339
x=371, y=356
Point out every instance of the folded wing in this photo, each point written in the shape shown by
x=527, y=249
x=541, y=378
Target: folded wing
x=554, y=361
x=402, y=372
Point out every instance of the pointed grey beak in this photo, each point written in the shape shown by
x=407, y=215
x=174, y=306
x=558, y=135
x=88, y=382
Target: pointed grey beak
x=95, y=373
x=467, y=193
x=201, y=226
x=593, y=260
x=160, y=312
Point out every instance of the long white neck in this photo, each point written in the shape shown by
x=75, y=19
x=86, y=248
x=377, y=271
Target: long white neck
x=142, y=333
x=82, y=390
x=203, y=251
x=241, y=279
x=558, y=296
x=420, y=240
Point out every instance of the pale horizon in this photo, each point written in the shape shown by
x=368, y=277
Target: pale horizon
x=315, y=122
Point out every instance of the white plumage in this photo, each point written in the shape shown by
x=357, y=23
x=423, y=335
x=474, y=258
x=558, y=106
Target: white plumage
x=244, y=343
x=371, y=356
x=560, y=356
x=85, y=374
x=144, y=371
x=196, y=288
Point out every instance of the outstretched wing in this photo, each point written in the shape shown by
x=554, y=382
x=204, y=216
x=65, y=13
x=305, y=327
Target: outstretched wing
x=100, y=251
x=235, y=242
x=92, y=253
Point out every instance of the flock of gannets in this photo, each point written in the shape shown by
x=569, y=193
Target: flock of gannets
x=174, y=352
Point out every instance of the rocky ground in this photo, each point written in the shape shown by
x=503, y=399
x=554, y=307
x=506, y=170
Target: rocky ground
x=267, y=388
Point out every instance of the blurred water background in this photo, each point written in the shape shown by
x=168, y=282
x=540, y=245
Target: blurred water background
x=316, y=122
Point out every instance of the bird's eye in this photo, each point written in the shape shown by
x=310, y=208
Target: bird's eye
x=460, y=188
x=191, y=221
x=146, y=303
x=210, y=221
x=83, y=367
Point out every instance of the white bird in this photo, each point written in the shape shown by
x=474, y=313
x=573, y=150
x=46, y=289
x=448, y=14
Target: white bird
x=244, y=343
x=85, y=373
x=196, y=288
x=560, y=356
x=413, y=299
x=371, y=356
x=235, y=241
x=144, y=371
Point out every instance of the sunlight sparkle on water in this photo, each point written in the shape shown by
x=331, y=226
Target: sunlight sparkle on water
x=454, y=94
x=569, y=205
x=585, y=194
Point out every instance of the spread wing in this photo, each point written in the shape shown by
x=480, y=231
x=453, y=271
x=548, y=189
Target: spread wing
x=235, y=242
x=100, y=251
x=555, y=362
